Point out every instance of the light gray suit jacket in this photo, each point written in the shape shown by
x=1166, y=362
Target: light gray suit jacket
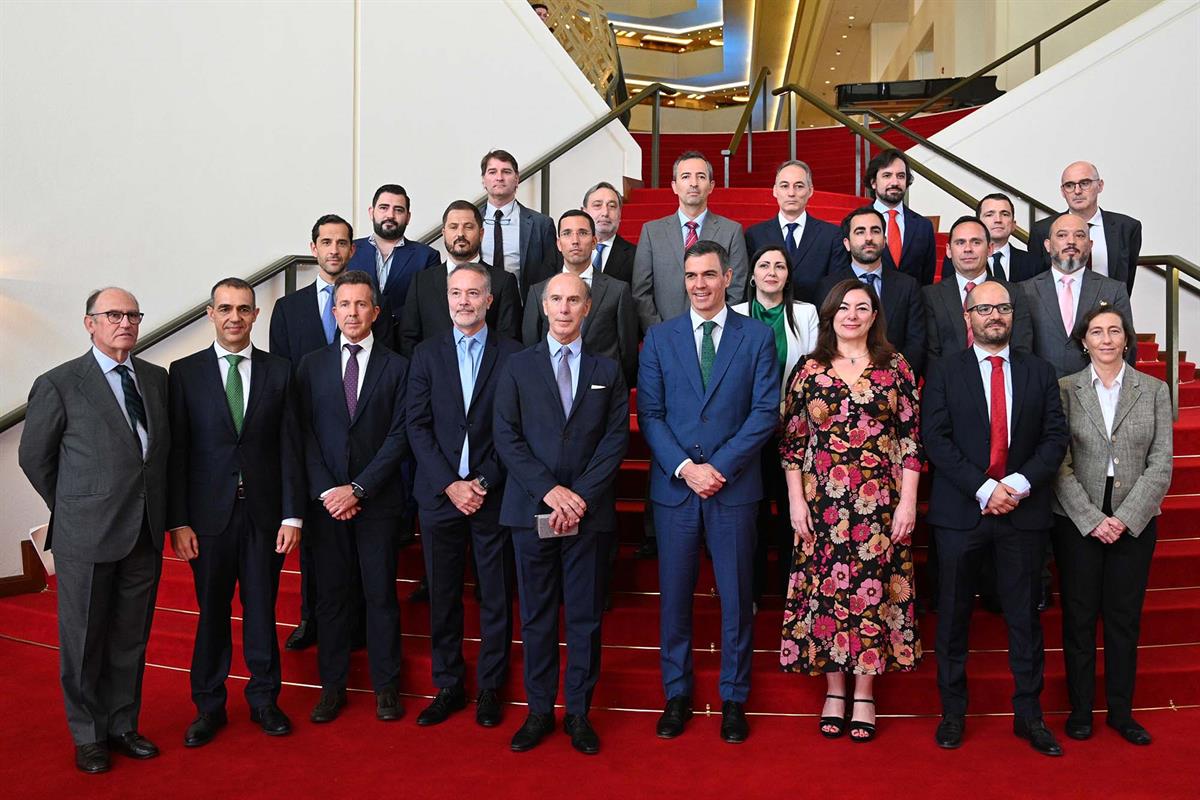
x=1050, y=340
x=1140, y=446
x=81, y=455
x=658, y=266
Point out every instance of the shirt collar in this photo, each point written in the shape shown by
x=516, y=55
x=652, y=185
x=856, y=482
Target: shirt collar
x=222, y=352
x=1077, y=275
x=586, y=275
x=1096, y=382
x=375, y=244
x=451, y=263
x=1006, y=251
x=860, y=270
x=107, y=364
x=506, y=211
x=800, y=220
x=982, y=355
x=1096, y=219
x=321, y=283
x=479, y=336
x=608, y=243
x=574, y=348
x=720, y=318
x=699, y=220
x=882, y=208
x=365, y=344
x=962, y=282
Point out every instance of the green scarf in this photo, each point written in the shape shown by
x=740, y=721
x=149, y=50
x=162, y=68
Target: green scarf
x=773, y=317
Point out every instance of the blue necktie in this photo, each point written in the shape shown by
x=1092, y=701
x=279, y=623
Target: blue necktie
x=468, y=369
x=598, y=259
x=790, y=240
x=327, y=315
x=872, y=280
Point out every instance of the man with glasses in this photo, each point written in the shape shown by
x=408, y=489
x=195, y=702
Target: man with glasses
x=1116, y=238
x=95, y=447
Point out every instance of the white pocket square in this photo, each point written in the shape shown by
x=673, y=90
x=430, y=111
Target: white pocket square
x=598, y=386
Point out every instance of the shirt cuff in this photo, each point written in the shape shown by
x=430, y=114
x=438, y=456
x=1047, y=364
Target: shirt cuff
x=683, y=464
x=984, y=493
x=181, y=527
x=293, y=522
x=321, y=496
x=1018, y=481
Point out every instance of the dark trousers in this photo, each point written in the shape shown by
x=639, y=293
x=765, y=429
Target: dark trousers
x=1109, y=581
x=366, y=548
x=773, y=528
x=310, y=581
x=444, y=544
x=1018, y=558
x=104, y=615
x=243, y=556
x=572, y=568
x=730, y=535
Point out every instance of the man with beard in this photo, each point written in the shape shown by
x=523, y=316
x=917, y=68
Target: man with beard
x=910, y=239
x=386, y=255
x=1004, y=261
x=899, y=294
x=991, y=494
x=613, y=255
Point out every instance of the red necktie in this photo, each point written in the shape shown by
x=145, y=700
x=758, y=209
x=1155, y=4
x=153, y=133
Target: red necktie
x=970, y=333
x=998, y=457
x=691, y=235
x=893, y=236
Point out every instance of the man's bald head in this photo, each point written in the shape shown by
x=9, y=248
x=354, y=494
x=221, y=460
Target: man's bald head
x=1081, y=187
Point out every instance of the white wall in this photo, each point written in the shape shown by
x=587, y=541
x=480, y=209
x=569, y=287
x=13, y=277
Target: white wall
x=162, y=146
x=1096, y=106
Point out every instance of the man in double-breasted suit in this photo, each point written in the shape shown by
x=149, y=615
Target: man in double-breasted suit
x=561, y=427
x=95, y=447
x=236, y=505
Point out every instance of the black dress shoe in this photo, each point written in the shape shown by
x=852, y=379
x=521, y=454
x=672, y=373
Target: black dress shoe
x=387, y=705
x=92, y=758
x=534, y=729
x=734, y=727
x=1079, y=728
x=305, y=635
x=647, y=549
x=271, y=719
x=949, y=734
x=133, y=745
x=329, y=706
x=674, y=717
x=583, y=737
x=447, y=701
x=204, y=729
x=1039, y=736
x=487, y=708
x=1132, y=732
x=1045, y=599
x=421, y=593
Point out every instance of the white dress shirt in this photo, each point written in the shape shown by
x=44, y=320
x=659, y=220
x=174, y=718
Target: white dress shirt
x=585, y=276
x=1108, y=397
x=364, y=356
x=109, y=367
x=1099, y=244
x=962, y=284
x=607, y=251
x=510, y=229
x=698, y=332
x=799, y=221
x=1076, y=284
x=1014, y=480
x=684, y=220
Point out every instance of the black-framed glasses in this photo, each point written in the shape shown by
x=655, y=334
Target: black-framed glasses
x=115, y=317
x=1082, y=185
x=985, y=309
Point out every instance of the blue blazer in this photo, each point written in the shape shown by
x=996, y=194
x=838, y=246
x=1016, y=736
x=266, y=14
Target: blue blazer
x=437, y=422
x=956, y=431
x=367, y=450
x=207, y=454
x=296, y=328
x=819, y=253
x=725, y=425
x=542, y=449
x=918, y=257
x=406, y=262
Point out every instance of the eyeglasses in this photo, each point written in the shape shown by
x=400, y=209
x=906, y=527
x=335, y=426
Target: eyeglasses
x=115, y=317
x=1082, y=185
x=985, y=309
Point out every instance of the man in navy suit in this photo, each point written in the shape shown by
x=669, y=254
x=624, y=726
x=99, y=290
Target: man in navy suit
x=352, y=415
x=993, y=426
x=612, y=255
x=561, y=428
x=1004, y=261
x=386, y=255
x=236, y=504
x=516, y=239
x=708, y=400
x=814, y=246
x=459, y=485
x=911, y=244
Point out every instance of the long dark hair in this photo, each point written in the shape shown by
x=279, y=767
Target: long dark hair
x=878, y=346
x=788, y=291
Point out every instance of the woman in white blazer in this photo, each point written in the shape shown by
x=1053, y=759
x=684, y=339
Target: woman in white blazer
x=795, y=325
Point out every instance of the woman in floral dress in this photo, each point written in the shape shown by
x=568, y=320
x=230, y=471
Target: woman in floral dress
x=852, y=457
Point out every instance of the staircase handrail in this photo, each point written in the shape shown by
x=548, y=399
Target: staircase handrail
x=745, y=124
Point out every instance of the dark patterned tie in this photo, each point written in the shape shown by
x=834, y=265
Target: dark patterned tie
x=498, y=241
x=708, y=352
x=598, y=259
x=350, y=379
x=997, y=270
x=790, y=240
x=133, y=401
x=691, y=235
x=234, y=391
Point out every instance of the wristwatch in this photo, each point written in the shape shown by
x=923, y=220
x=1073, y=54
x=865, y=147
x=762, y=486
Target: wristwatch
x=359, y=492
x=483, y=482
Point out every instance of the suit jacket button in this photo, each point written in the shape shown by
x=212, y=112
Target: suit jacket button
x=1116, y=461
x=704, y=419
x=1117, y=484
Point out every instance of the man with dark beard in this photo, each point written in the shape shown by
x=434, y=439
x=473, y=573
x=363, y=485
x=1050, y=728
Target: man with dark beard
x=911, y=244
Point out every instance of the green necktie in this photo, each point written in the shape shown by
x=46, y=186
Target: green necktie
x=233, y=393
x=708, y=352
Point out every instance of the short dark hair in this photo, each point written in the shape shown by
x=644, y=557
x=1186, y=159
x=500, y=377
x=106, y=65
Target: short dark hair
x=231, y=283
x=858, y=212
x=795, y=162
x=463, y=205
x=603, y=185
x=355, y=277
x=1081, y=325
x=575, y=212
x=687, y=154
x=539, y=5
x=881, y=160
x=478, y=269
x=995, y=196
x=90, y=305
x=498, y=155
x=391, y=188
x=878, y=346
x=706, y=247
x=331, y=219
x=987, y=235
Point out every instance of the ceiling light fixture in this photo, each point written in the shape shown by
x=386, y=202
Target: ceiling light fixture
x=675, y=40
x=718, y=42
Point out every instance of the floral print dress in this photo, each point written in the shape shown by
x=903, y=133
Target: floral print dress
x=850, y=597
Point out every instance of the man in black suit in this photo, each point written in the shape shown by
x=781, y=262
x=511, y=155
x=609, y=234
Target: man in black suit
x=813, y=246
x=236, y=504
x=993, y=426
x=352, y=414
x=613, y=255
x=95, y=447
x=460, y=482
x=516, y=239
x=561, y=428
x=1116, y=238
x=900, y=295
x=911, y=243
x=1004, y=261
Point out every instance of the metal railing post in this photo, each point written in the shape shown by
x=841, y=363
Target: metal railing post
x=791, y=119
x=750, y=147
x=289, y=279
x=858, y=162
x=654, y=123
x=1173, y=336
x=725, y=156
x=1037, y=59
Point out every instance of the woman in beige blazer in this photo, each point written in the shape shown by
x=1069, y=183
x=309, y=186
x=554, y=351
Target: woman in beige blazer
x=1108, y=492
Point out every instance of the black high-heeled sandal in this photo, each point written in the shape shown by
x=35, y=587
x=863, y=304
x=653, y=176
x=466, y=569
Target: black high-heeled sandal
x=866, y=728
x=838, y=724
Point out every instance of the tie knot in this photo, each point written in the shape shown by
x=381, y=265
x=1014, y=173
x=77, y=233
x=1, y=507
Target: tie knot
x=1066, y=280
x=327, y=289
x=122, y=369
x=600, y=248
x=234, y=360
x=708, y=326
x=791, y=226
x=970, y=286
x=997, y=362
x=353, y=348
x=564, y=353
x=869, y=278
x=892, y=212
x=690, y=225
x=498, y=215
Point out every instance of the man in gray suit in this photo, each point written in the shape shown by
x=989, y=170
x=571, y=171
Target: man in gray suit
x=95, y=447
x=610, y=328
x=658, y=266
x=1066, y=292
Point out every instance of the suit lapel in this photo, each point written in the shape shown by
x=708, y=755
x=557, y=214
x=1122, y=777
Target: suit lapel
x=975, y=388
x=488, y=361
x=1020, y=382
x=258, y=384
x=1089, y=292
x=674, y=228
x=731, y=342
x=526, y=236
x=374, y=367
x=400, y=258
x=1086, y=395
x=1044, y=285
x=806, y=238
x=949, y=293
x=544, y=368
x=587, y=365
x=311, y=316
x=1112, y=242
x=599, y=287
x=1131, y=392
x=684, y=341
x=94, y=388
x=212, y=379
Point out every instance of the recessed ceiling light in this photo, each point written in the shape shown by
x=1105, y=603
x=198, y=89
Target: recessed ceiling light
x=851, y=16
x=837, y=52
x=675, y=40
x=831, y=69
x=826, y=81
x=844, y=36
x=717, y=42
